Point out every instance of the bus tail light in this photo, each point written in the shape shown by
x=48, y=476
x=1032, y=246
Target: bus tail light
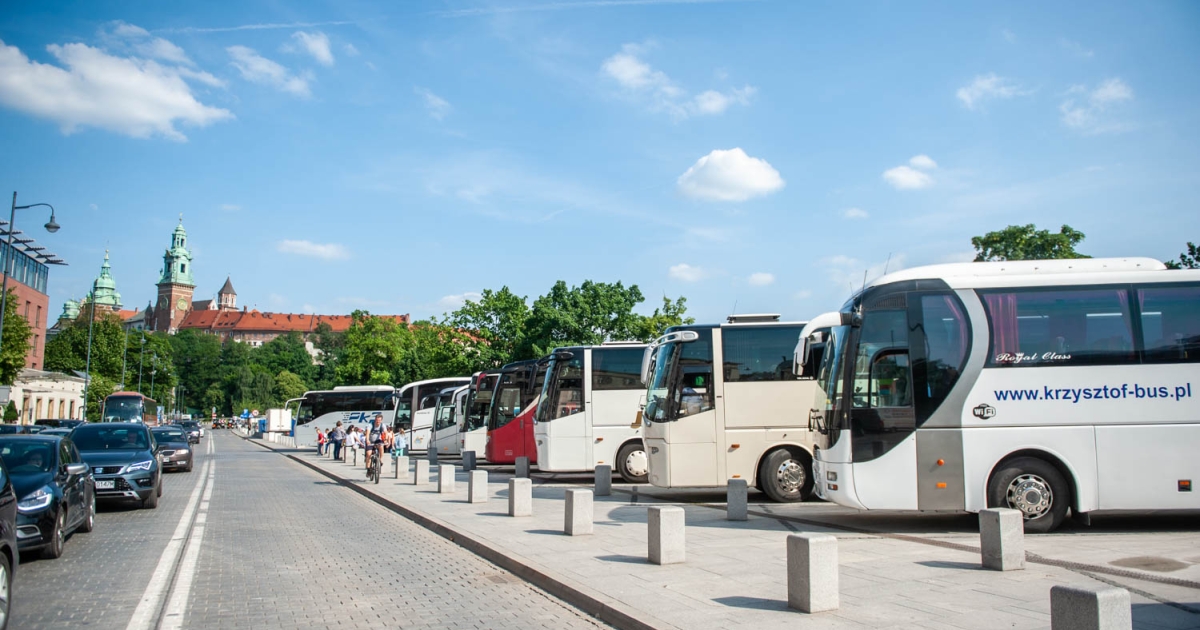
x=832, y=487
x=941, y=485
x=600, y=439
x=1185, y=485
x=735, y=446
x=941, y=462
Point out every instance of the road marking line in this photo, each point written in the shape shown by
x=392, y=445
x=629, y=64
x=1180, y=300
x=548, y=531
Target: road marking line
x=151, y=602
x=172, y=618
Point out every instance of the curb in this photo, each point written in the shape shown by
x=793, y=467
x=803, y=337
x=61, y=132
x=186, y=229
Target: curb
x=586, y=600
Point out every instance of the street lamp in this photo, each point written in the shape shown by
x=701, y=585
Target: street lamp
x=141, y=361
x=51, y=227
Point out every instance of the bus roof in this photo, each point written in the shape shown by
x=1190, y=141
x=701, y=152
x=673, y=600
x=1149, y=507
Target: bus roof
x=432, y=381
x=1034, y=272
x=361, y=388
x=136, y=394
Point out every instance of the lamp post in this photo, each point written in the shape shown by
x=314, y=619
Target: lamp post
x=51, y=227
x=153, y=372
x=141, y=361
x=87, y=370
x=124, y=359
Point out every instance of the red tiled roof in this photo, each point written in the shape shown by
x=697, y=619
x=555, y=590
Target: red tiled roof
x=126, y=314
x=254, y=321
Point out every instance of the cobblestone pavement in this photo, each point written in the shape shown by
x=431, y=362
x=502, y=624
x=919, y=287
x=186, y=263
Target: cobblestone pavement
x=287, y=548
x=101, y=575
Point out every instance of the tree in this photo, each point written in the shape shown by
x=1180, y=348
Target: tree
x=286, y=352
x=1189, y=259
x=374, y=350
x=671, y=314
x=592, y=313
x=15, y=344
x=288, y=386
x=99, y=387
x=498, y=318
x=1026, y=242
x=10, y=412
x=197, y=357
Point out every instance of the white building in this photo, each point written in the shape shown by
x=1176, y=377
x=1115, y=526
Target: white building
x=39, y=394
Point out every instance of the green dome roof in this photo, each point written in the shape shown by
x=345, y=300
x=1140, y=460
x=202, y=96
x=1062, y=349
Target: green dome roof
x=104, y=289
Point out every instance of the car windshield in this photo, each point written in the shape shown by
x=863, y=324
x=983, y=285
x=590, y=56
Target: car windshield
x=169, y=435
x=123, y=409
x=27, y=456
x=102, y=438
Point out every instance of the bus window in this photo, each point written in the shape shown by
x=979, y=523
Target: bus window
x=564, y=392
x=939, y=360
x=759, y=353
x=693, y=389
x=1170, y=324
x=404, y=412
x=881, y=413
x=616, y=368
x=1059, y=326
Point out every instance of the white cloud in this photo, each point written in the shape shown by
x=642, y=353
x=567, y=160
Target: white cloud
x=258, y=69
x=1076, y=48
x=140, y=41
x=1090, y=111
x=802, y=295
x=276, y=300
x=454, y=302
x=1009, y=36
x=128, y=95
x=988, y=86
x=93, y=206
x=855, y=213
x=846, y=271
x=230, y=207
x=315, y=44
x=923, y=162
x=907, y=178
x=350, y=50
x=761, y=279
x=326, y=251
x=729, y=176
x=638, y=78
x=434, y=104
x=686, y=273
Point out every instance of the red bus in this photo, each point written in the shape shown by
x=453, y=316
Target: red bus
x=510, y=420
x=130, y=407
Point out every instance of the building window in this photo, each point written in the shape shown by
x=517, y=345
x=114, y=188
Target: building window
x=39, y=316
x=27, y=305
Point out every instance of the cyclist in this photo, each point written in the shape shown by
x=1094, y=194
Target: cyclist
x=375, y=441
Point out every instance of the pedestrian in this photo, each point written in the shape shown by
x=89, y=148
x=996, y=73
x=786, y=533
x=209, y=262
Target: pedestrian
x=320, y=442
x=338, y=436
x=400, y=443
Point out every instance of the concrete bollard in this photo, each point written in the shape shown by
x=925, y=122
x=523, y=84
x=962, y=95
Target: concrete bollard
x=520, y=497
x=446, y=479
x=1002, y=539
x=402, y=468
x=737, y=500
x=477, y=487
x=603, y=480
x=812, y=570
x=577, y=513
x=1086, y=608
x=468, y=461
x=354, y=457
x=523, y=467
x=432, y=456
x=665, y=541
x=421, y=478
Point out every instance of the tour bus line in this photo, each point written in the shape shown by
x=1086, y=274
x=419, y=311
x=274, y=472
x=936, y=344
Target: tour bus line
x=590, y=602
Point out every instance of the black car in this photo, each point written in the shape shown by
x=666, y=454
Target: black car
x=9, y=555
x=15, y=429
x=122, y=458
x=55, y=487
x=64, y=423
x=193, y=430
x=174, y=448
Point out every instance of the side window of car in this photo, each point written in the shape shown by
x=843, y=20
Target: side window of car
x=75, y=457
x=64, y=454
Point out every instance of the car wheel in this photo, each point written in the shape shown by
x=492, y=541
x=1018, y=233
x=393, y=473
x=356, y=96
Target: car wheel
x=89, y=519
x=632, y=464
x=189, y=466
x=58, y=537
x=158, y=491
x=785, y=477
x=1036, y=488
x=151, y=501
x=5, y=589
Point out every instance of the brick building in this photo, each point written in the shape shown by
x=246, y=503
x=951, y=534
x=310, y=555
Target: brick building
x=255, y=328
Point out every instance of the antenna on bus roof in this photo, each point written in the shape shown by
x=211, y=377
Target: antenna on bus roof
x=734, y=311
x=886, y=264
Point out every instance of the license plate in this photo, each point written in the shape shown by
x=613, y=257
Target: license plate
x=106, y=484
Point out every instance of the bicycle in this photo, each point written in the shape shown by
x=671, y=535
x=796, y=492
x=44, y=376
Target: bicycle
x=376, y=466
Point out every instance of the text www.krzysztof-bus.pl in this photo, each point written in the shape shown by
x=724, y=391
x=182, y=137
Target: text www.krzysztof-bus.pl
x=1106, y=392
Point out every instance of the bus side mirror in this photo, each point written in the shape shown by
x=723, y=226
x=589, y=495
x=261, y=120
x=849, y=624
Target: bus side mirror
x=800, y=357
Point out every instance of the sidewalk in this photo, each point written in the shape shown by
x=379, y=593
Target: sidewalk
x=735, y=573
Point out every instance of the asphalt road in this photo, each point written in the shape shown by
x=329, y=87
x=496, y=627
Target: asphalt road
x=252, y=540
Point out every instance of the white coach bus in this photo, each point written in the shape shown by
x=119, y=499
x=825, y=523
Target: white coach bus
x=705, y=426
x=588, y=407
x=350, y=405
x=415, y=407
x=448, y=417
x=1043, y=386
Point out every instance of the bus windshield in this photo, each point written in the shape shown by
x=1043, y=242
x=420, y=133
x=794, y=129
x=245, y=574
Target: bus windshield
x=563, y=390
x=123, y=409
x=828, y=376
x=479, y=403
x=681, y=380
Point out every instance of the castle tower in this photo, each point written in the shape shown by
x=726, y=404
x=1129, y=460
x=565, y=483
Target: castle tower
x=227, y=297
x=104, y=289
x=175, y=286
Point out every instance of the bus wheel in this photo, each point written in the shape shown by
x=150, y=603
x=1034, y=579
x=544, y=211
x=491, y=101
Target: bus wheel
x=632, y=463
x=786, y=477
x=1036, y=488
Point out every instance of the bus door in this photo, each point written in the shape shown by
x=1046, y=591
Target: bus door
x=693, y=435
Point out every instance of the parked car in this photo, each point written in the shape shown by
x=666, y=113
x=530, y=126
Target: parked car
x=174, y=448
x=56, y=490
x=9, y=555
x=59, y=423
x=123, y=463
x=55, y=431
x=18, y=429
x=192, y=430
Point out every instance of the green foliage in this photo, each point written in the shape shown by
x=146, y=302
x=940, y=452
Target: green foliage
x=10, y=412
x=592, y=313
x=671, y=314
x=498, y=318
x=373, y=351
x=1189, y=259
x=1026, y=242
x=15, y=344
x=289, y=385
x=98, y=388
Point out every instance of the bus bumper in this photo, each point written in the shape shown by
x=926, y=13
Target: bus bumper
x=835, y=482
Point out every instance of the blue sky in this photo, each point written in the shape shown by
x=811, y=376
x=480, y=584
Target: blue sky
x=753, y=155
